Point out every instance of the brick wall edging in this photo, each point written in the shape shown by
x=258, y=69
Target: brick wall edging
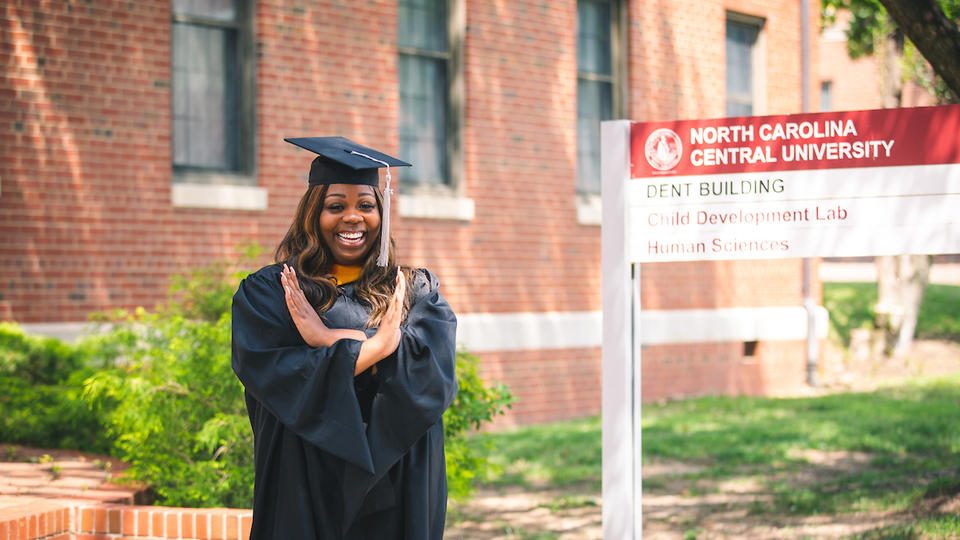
x=42, y=520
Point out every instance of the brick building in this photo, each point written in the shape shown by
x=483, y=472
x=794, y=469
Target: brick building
x=140, y=139
x=854, y=84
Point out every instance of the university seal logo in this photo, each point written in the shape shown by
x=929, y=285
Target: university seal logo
x=663, y=149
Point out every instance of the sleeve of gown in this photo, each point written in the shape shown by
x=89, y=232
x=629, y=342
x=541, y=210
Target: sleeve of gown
x=417, y=384
x=421, y=384
x=310, y=390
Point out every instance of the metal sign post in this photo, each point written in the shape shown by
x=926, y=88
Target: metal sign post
x=622, y=513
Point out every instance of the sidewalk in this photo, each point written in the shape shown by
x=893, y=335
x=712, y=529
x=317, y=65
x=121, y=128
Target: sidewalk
x=941, y=274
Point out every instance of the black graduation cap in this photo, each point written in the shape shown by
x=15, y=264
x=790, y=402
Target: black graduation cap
x=342, y=161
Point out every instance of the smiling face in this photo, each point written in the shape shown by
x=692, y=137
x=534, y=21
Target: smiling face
x=349, y=222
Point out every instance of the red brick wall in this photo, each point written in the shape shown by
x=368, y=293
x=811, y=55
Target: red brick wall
x=552, y=385
x=65, y=520
x=725, y=284
x=86, y=221
x=677, y=61
x=565, y=383
x=84, y=133
x=674, y=371
x=525, y=250
x=36, y=520
x=85, y=210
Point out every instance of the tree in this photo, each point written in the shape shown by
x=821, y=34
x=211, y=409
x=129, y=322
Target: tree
x=931, y=26
x=904, y=35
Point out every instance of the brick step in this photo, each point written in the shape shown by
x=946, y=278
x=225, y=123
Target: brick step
x=67, y=495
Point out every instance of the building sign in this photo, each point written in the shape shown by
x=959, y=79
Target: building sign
x=813, y=185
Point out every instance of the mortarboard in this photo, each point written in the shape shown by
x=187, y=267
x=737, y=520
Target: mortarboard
x=342, y=161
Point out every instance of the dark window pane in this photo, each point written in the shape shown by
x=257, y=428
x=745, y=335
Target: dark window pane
x=594, y=105
x=594, y=97
x=740, y=41
x=221, y=10
x=739, y=109
x=594, y=53
x=422, y=24
x=205, y=101
x=423, y=118
x=826, y=96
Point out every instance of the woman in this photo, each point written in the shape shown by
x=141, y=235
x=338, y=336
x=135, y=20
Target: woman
x=347, y=368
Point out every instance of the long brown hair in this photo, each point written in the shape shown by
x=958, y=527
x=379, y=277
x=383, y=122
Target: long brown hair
x=304, y=249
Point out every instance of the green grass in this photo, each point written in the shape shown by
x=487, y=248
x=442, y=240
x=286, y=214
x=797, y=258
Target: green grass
x=940, y=526
x=851, y=306
x=940, y=313
x=555, y=455
x=916, y=419
x=937, y=526
x=565, y=502
x=910, y=433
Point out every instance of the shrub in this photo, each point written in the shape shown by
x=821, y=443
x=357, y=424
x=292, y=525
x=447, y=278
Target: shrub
x=475, y=404
x=41, y=381
x=206, y=293
x=50, y=416
x=176, y=410
x=34, y=359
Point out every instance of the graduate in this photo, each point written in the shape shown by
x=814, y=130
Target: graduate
x=347, y=363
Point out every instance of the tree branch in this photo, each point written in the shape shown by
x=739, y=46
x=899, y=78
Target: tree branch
x=934, y=34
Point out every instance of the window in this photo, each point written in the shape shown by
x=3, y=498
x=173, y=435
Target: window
x=744, y=81
x=826, y=96
x=212, y=92
x=429, y=81
x=598, y=76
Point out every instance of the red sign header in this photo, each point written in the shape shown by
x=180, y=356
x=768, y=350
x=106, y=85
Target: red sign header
x=834, y=140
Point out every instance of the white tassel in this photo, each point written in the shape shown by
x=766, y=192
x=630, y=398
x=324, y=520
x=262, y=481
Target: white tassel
x=382, y=259
x=385, y=224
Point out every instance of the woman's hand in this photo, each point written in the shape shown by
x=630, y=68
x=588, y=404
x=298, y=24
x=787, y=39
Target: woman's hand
x=309, y=324
x=387, y=338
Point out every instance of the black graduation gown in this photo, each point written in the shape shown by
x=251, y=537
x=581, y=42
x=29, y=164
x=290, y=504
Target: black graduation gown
x=339, y=457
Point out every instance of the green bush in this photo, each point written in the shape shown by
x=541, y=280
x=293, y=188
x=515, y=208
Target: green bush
x=206, y=293
x=50, y=416
x=36, y=360
x=41, y=381
x=475, y=404
x=176, y=411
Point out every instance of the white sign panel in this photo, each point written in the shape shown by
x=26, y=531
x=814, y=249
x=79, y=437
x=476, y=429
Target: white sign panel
x=832, y=184
x=817, y=185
